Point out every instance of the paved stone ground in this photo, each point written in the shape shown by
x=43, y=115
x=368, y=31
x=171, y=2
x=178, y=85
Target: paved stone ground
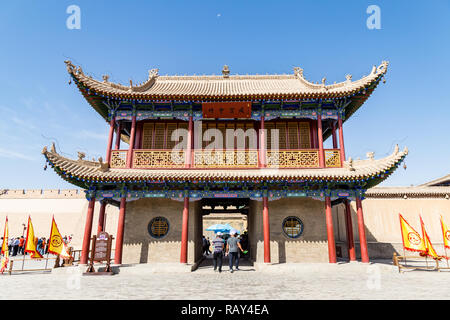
x=378, y=280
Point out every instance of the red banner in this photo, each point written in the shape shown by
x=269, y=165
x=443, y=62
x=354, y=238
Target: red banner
x=240, y=109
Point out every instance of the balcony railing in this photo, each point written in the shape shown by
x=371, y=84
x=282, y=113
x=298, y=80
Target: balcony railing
x=333, y=158
x=225, y=158
x=293, y=159
x=119, y=158
x=143, y=159
x=154, y=159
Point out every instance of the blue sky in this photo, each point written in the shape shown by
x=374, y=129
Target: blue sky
x=125, y=39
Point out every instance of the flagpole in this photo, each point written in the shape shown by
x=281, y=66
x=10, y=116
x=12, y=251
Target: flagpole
x=404, y=256
x=446, y=256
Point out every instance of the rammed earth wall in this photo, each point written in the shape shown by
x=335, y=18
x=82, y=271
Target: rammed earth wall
x=68, y=206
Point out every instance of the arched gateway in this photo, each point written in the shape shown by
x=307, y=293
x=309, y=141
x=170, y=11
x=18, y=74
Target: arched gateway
x=253, y=137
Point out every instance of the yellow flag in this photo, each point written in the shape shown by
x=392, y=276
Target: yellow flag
x=5, y=239
x=412, y=240
x=430, y=250
x=445, y=234
x=30, y=244
x=56, y=244
x=5, y=251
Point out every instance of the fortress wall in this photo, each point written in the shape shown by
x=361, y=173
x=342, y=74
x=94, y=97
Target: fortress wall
x=69, y=207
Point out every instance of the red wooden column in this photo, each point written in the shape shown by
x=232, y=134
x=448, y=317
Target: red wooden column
x=362, y=232
x=120, y=232
x=110, y=139
x=87, y=232
x=189, y=139
x=184, y=231
x=350, y=241
x=132, y=138
x=118, y=130
x=341, y=140
x=101, y=217
x=266, y=230
x=330, y=231
x=320, y=137
x=334, y=135
x=262, y=145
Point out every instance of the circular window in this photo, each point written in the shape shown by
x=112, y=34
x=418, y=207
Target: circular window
x=158, y=227
x=292, y=227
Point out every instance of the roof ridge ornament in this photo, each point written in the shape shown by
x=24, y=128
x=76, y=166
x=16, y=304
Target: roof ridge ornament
x=105, y=78
x=298, y=72
x=53, y=148
x=153, y=73
x=69, y=65
x=348, y=77
x=104, y=166
x=396, y=149
x=370, y=155
x=226, y=71
x=350, y=164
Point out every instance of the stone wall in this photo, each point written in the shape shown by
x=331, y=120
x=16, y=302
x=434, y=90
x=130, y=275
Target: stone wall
x=140, y=247
x=311, y=246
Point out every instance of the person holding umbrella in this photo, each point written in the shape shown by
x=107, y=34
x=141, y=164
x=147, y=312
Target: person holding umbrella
x=233, y=244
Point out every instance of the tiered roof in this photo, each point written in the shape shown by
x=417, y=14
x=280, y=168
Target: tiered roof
x=227, y=87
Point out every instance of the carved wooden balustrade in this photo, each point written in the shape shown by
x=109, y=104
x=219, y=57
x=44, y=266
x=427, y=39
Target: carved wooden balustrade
x=158, y=158
x=118, y=158
x=307, y=158
x=333, y=158
x=225, y=158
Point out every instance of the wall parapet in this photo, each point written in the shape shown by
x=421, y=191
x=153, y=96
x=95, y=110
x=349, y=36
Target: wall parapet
x=42, y=194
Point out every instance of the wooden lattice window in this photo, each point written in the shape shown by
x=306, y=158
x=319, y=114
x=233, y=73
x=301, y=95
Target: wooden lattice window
x=158, y=227
x=292, y=227
x=282, y=137
x=269, y=126
x=222, y=127
x=304, y=134
x=147, y=135
x=159, y=135
x=291, y=135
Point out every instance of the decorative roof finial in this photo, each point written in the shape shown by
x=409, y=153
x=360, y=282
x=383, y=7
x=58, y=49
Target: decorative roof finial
x=105, y=78
x=348, y=77
x=226, y=71
x=298, y=72
x=152, y=73
x=370, y=155
x=350, y=164
x=81, y=155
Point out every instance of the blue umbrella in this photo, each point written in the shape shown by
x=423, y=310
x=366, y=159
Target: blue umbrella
x=219, y=228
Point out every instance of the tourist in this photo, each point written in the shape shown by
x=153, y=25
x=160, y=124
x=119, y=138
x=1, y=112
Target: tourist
x=10, y=245
x=218, y=244
x=39, y=245
x=233, y=244
x=208, y=245
x=16, y=246
x=21, y=245
x=205, y=245
x=244, y=243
